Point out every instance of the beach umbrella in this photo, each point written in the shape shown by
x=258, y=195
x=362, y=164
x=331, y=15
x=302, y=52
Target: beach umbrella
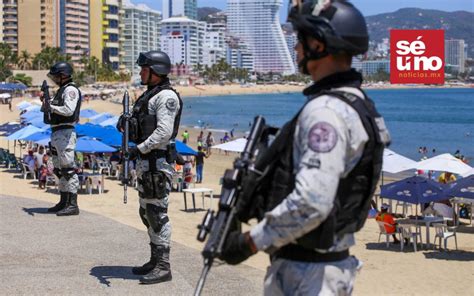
x=24, y=132
x=233, y=146
x=30, y=115
x=22, y=105
x=88, y=113
x=32, y=107
x=468, y=173
x=91, y=145
x=395, y=163
x=415, y=190
x=10, y=127
x=38, y=136
x=12, y=86
x=445, y=163
x=96, y=119
x=110, y=122
x=461, y=188
x=38, y=122
x=184, y=149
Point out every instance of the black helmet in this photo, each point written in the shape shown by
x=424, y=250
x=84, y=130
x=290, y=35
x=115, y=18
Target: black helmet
x=158, y=61
x=336, y=23
x=61, y=68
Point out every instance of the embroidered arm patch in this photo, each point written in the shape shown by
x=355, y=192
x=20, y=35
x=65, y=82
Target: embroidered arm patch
x=322, y=137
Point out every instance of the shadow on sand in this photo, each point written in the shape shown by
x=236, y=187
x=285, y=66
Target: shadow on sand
x=33, y=211
x=105, y=273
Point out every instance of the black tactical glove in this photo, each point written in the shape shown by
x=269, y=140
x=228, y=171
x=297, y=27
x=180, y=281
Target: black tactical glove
x=237, y=248
x=133, y=153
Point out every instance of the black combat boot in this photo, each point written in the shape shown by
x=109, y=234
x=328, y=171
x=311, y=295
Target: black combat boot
x=71, y=207
x=61, y=204
x=147, y=267
x=161, y=272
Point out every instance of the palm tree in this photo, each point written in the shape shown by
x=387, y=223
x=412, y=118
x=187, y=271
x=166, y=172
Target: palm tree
x=24, y=60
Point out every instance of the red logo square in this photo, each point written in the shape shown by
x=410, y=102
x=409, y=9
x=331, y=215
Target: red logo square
x=417, y=56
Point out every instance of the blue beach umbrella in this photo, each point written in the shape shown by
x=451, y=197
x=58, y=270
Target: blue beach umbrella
x=9, y=128
x=461, y=188
x=38, y=122
x=38, y=136
x=88, y=113
x=415, y=190
x=100, y=118
x=184, y=149
x=110, y=122
x=91, y=145
x=32, y=108
x=30, y=115
x=12, y=86
x=23, y=105
x=24, y=132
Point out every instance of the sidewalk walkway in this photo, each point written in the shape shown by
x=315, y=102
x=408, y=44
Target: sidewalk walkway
x=89, y=254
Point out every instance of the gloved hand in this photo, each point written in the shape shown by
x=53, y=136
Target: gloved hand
x=237, y=248
x=133, y=153
x=120, y=124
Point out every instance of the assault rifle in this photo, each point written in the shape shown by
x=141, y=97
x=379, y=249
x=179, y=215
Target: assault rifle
x=217, y=225
x=125, y=134
x=46, y=107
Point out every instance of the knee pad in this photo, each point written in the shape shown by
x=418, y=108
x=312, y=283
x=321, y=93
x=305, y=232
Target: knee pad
x=155, y=217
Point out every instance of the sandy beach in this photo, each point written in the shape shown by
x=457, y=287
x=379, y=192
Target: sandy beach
x=386, y=271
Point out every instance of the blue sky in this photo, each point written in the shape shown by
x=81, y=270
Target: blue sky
x=368, y=7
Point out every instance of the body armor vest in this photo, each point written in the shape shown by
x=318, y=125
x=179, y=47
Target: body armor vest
x=58, y=100
x=353, y=195
x=143, y=124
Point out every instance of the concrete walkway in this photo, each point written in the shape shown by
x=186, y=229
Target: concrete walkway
x=42, y=254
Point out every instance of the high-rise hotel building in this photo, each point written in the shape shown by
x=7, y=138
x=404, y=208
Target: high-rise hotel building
x=106, y=26
x=258, y=24
x=29, y=24
x=455, y=54
x=180, y=8
x=141, y=33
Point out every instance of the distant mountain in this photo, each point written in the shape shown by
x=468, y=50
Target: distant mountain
x=457, y=24
x=203, y=12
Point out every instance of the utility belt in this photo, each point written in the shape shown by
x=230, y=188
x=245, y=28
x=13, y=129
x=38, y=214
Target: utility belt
x=153, y=181
x=61, y=127
x=298, y=253
x=153, y=155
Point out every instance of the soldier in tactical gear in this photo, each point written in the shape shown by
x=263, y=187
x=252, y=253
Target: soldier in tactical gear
x=321, y=170
x=64, y=110
x=153, y=127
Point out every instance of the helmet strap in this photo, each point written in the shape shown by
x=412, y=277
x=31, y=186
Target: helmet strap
x=310, y=55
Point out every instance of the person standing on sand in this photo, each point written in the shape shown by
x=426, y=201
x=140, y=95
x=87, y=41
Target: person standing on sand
x=321, y=170
x=65, y=109
x=154, y=126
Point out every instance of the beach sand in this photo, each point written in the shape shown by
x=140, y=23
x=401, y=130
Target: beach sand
x=385, y=271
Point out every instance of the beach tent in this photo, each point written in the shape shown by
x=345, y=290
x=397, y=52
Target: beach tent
x=110, y=122
x=237, y=145
x=395, y=163
x=24, y=132
x=444, y=163
x=184, y=149
x=415, y=190
x=461, y=188
x=91, y=145
x=88, y=113
x=22, y=105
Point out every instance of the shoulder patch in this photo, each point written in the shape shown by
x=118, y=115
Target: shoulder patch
x=322, y=137
x=71, y=94
x=171, y=104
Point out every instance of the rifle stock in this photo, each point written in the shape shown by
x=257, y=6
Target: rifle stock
x=46, y=107
x=218, y=225
x=125, y=135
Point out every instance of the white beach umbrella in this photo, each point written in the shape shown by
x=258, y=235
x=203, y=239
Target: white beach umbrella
x=395, y=163
x=233, y=146
x=444, y=163
x=468, y=173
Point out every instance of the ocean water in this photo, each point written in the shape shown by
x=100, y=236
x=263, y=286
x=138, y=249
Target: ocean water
x=440, y=119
